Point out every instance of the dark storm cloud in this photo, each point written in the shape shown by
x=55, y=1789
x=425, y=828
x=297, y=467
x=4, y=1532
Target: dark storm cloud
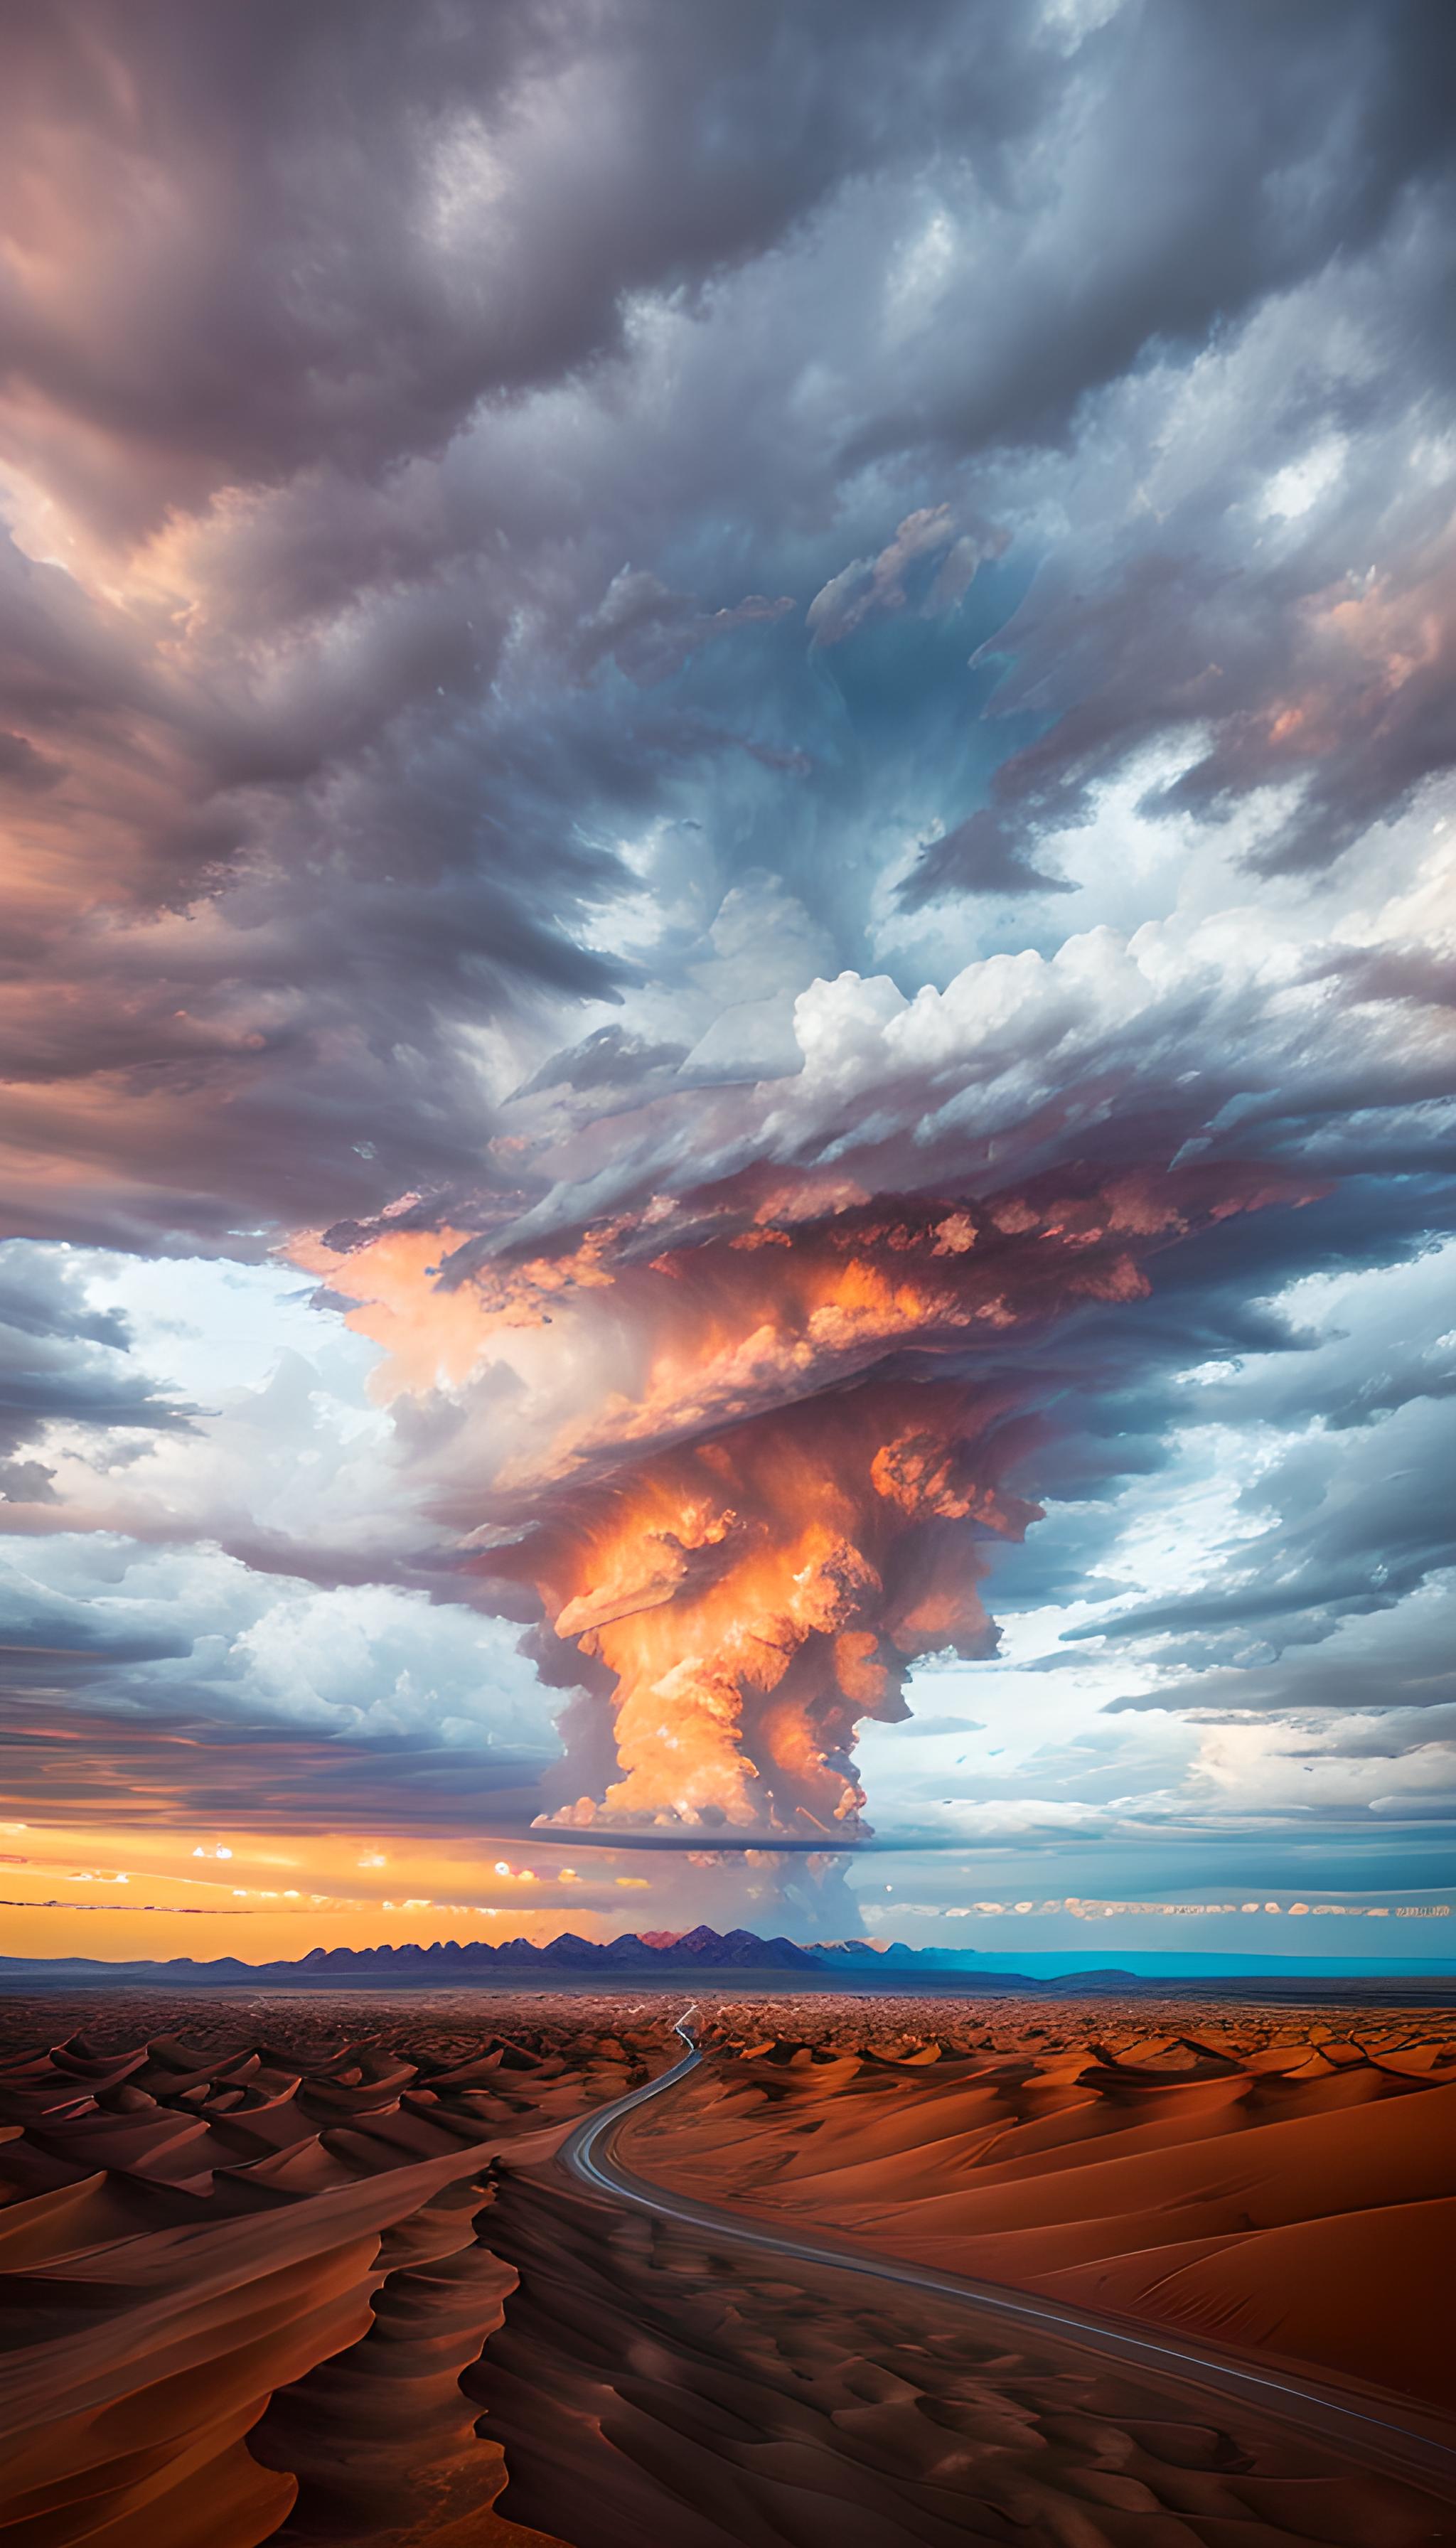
x=1332, y=680
x=650, y=632
x=22, y=766
x=1339, y=1540
x=1340, y=1519
x=329, y=259
x=608, y=1059
x=1411, y=1674
x=1342, y=1534
x=1173, y=1049
x=64, y=1362
x=1210, y=159
x=355, y=222
x=331, y=232
x=93, y=1764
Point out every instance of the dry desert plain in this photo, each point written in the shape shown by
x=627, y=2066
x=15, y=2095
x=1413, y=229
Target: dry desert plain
x=310, y=2268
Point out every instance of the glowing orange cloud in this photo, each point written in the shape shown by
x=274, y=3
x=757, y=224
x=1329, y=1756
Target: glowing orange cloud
x=755, y=1597
x=751, y=1478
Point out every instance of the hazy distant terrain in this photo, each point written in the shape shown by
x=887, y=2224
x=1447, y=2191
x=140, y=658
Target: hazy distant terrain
x=705, y=1954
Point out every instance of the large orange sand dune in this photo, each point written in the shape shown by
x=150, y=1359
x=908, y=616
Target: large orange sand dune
x=1280, y=2186
x=313, y=2274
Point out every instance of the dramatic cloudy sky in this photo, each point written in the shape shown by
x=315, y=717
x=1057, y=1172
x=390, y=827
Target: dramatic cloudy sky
x=727, y=739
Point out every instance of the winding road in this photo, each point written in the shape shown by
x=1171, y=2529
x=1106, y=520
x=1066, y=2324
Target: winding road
x=1411, y=2444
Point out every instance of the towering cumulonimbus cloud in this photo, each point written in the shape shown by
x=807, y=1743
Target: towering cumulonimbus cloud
x=750, y=1475
x=756, y=1595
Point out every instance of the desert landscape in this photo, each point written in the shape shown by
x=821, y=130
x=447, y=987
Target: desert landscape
x=311, y=2269
x=1235, y=2171
x=196, y=2219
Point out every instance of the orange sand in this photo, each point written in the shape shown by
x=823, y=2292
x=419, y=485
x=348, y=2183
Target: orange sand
x=308, y=2272
x=1275, y=2185
x=186, y=2235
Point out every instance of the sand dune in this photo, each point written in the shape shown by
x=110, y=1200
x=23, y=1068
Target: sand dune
x=648, y=2389
x=1279, y=2185
x=1367, y=2294
x=184, y=2240
x=309, y=2272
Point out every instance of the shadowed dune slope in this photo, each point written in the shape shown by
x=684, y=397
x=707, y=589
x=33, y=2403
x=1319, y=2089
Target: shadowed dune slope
x=655, y=2391
x=239, y=2287
x=1288, y=2186
x=311, y=2271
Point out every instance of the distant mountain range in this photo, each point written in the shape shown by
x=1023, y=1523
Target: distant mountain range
x=661, y=1951
x=665, y=1952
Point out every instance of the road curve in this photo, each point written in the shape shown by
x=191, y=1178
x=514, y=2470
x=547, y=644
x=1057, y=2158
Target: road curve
x=1404, y=2442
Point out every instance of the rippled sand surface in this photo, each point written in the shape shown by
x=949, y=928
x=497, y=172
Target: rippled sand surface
x=308, y=2270
x=245, y=2259
x=1271, y=2181
x=649, y=2386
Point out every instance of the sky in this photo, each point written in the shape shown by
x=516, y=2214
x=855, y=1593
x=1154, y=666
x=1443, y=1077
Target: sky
x=729, y=946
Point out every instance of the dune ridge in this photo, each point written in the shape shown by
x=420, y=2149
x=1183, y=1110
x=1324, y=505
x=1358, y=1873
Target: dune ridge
x=650, y=2386
x=311, y=2272
x=237, y=2288
x=1284, y=2187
